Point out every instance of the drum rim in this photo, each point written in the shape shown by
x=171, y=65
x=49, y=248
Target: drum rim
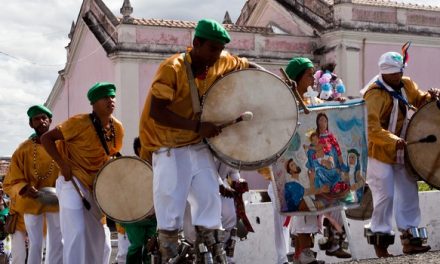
x=254, y=164
x=150, y=212
x=407, y=155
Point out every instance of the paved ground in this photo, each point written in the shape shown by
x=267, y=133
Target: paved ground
x=427, y=258
x=432, y=257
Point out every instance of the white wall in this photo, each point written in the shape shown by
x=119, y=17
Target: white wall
x=259, y=247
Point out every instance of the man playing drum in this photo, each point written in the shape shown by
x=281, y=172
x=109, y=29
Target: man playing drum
x=30, y=170
x=390, y=98
x=182, y=164
x=87, y=141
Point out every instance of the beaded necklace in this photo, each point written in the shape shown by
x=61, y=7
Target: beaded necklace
x=49, y=172
x=105, y=132
x=112, y=135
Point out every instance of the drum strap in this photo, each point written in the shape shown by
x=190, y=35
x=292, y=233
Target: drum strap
x=195, y=99
x=98, y=128
x=395, y=94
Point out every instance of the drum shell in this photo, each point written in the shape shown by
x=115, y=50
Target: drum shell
x=423, y=159
x=253, y=144
x=123, y=189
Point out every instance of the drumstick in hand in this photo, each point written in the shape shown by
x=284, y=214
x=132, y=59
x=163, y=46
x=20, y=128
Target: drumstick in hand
x=246, y=116
x=84, y=200
x=428, y=139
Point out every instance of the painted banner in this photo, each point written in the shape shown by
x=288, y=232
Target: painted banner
x=325, y=165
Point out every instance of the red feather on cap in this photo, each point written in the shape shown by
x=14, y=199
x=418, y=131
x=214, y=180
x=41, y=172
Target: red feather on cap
x=405, y=54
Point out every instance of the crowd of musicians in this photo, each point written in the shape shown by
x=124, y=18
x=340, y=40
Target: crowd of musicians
x=187, y=177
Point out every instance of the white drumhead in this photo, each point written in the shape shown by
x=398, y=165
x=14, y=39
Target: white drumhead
x=258, y=142
x=123, y=189
x=425, y=157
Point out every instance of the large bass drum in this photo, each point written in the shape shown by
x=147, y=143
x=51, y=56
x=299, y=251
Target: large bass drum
x=123, y=189
x=424, y=158
x=253, y=144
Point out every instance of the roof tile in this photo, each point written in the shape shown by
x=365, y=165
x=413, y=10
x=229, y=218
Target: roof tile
x=192, y=24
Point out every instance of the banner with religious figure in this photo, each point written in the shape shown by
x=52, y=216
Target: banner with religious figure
x=325, y=165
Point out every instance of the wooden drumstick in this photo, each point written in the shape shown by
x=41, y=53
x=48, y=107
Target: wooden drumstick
x=292, y=85
x=428, y=139
x=83, y=199
x=246, y=116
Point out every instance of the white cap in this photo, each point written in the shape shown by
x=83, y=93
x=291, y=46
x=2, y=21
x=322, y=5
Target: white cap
x=391, y=62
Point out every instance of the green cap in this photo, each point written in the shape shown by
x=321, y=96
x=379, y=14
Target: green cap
x=297, y=66
x=212, y=30
x=38, y=109
x=101, y=90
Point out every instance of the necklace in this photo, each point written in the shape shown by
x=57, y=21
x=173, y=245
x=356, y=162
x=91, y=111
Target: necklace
x=109, y=136
x=49, y=172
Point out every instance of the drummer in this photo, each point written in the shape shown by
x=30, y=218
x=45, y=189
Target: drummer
x=80, y=155
x=182, y=164
x=30, y=170
x=389, y=98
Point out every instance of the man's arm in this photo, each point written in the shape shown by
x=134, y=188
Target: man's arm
x=161, y=114
x=15, y=182
x=48, y=140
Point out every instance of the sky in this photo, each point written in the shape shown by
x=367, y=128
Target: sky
x=33, y=40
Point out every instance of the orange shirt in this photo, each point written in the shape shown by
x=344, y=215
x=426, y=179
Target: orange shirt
x=22, y=172
x=381, y=142
x=171, y=83
x=82, y=148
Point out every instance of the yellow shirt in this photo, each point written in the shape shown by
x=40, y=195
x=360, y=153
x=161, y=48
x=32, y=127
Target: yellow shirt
x=171, y=83
x=82, y=148
x=21, y=173
x=381, y=142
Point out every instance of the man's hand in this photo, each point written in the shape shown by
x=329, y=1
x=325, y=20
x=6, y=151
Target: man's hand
x=400, y=144
x=435, y=93
x=66, y=171
x=208, y=130
x=30, y=192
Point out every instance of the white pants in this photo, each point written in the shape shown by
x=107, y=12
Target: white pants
x=307, y=224
x=229, y=216
x=54, y=246
x=82, y=230
x=18, y=247
x=229, y=220
x=107, y=245
x=187, y=173
x=123, y=244
x=392, y=188
x=281, y=233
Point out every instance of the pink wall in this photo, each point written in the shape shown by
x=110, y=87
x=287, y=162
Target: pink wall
x=158, y=36
x=146, y=74
x=92, y=65
x=59, y=109
x=283, y=21
x=422, y=67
